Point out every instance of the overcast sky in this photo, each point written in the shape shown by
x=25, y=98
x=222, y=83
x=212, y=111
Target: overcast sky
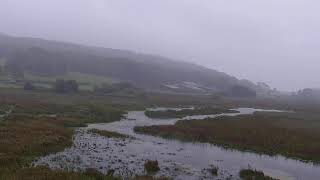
x=274, y=41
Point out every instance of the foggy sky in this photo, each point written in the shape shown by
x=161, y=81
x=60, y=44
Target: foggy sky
x=274, y=41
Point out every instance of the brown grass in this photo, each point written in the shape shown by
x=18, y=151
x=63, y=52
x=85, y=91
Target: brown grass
x=30, y=132
x=44, y=173
x=23, y=140
x=290, y=134
x=249, y=174
x=206, y=110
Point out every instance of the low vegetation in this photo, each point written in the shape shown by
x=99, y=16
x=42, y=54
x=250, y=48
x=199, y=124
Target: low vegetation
x=44, y=173
x=66, y=86
x=295, y=135
x=214, y=171
x=249, y=174
x=42, y=122
x=151, y=178
x=187, y=112
x=151, y=166
x=35, y=129
x=108, y=134
x=24, y=139
x=72, y=115
x=119, y=89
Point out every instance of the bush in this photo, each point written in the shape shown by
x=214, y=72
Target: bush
x=241, y=91
x=69, y=86
x=214, y=171
x=151, y=166
x=249, y=174
x=28, y=86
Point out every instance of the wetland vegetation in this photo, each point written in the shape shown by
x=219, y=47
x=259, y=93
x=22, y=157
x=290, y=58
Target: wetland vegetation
x=294, y=135
x=151, y=166
x=249, y=174
x=35, y=129
x=41, y=123
x=49, y=120
x=207, y=110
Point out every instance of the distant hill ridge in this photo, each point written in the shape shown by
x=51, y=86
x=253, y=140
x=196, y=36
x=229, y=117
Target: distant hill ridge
x=52, y=58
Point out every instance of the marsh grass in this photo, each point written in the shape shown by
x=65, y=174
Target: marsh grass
x=293, y=135
x=151, y=166
x=83, y=113
x=207, y=110
x=36, y=129
x=23, y=140
x=44, y=173
x=249, y=174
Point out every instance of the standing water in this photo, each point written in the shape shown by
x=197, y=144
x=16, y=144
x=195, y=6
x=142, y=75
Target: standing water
x=179, y=160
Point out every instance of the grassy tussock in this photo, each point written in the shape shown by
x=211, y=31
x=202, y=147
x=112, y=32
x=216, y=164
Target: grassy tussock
x=43, y=173
x=151, y=166
x=249, y=174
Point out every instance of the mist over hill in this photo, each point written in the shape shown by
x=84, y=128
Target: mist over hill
x=51, y=58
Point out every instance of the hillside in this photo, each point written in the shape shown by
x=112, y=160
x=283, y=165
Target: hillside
x=43, y=58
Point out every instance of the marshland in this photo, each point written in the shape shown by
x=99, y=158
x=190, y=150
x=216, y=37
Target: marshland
x=159, y=90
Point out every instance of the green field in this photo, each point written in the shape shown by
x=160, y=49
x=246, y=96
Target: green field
x=81, y=78
x=86, y=82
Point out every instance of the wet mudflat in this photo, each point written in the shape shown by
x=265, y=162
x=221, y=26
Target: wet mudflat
x=176, y=159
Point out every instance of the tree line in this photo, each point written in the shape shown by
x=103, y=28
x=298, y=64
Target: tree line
x=59, y=86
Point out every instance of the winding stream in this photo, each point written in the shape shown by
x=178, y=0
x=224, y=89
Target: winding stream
x=179, y=160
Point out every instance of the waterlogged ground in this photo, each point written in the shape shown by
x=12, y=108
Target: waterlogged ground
x=176, y=159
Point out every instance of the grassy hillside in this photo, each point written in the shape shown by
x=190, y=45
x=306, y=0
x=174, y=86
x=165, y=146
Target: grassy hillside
x=50, y=58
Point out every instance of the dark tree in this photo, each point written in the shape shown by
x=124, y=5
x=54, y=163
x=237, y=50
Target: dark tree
x=71, y=86
x=241, y=91
x=122, y=87
x=28, y=86
x=59, y=86
x=68, y=86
